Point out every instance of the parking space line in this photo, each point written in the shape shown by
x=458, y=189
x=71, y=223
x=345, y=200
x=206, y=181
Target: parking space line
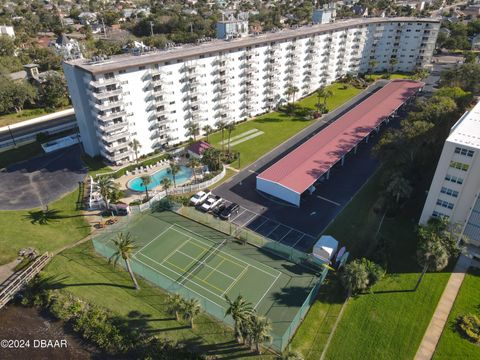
x=266, y=219
x=237, y=216
x=289, y=231
x=298, y=240
x=275, y=228
x=328, y=200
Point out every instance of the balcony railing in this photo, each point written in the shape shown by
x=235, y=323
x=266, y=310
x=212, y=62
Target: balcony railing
x=113, y=137
x=113, y=148
x=110, y=126
x=104, y=82
x=106, y=94
x=113, y=115
x=106, y=106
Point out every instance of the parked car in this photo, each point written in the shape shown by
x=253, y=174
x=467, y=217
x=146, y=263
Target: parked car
x=219, y=208
x=210, y=203
x=230, y=210
x=199, y=198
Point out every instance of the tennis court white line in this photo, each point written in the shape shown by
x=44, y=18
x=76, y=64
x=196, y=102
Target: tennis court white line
x=181, y=275
x=177, y=249
x=203, y=297
x=155, y=238
x=232, y=257
x=301, y=237
x=236, y=280
x=266, y=292
x=211, y=267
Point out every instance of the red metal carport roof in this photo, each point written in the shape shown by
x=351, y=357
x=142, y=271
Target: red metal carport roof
x=303, y=166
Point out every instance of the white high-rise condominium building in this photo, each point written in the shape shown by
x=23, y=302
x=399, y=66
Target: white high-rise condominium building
x=151, y=97
x=455, y=189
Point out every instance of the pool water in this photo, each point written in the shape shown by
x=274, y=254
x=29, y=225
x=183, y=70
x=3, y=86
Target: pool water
x=182, y=176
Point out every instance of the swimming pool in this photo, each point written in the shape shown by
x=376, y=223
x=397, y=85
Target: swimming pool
x=183, y=175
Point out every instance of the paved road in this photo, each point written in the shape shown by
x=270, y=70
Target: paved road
x=6, y=135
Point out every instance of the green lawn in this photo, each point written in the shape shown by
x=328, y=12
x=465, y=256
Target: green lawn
x=25, y=114
x=452, y=345
x=279, y=127
x=389, y=323
x=18, y=231
x=80, y=271
x=392, y=76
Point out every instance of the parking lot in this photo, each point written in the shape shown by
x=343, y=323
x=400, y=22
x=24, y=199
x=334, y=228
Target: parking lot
x=272, y=229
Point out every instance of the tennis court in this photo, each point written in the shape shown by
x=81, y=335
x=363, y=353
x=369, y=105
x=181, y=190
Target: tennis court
x=196, y=261
x=203, y=266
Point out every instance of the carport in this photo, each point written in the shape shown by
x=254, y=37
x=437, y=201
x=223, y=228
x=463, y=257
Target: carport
x=295, y=173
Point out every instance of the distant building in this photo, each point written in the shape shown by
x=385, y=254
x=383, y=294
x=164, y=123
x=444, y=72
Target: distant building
x=232, y=28
x=87, y=18
x=323, y=16
x=7, y=30
x=68, y=48
x=455, y=189
x=476, y=42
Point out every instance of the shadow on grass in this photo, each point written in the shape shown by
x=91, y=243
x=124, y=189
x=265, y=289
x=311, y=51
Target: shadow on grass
x=45, y=217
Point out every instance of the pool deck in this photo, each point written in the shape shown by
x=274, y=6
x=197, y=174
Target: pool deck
x=131, y=195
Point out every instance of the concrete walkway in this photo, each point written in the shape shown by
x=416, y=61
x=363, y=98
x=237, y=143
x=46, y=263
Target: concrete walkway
x=440, y=316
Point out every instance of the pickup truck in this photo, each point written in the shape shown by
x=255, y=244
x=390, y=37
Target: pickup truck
x=211, y=202
x=199, y=198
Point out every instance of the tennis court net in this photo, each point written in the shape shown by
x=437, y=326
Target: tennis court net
x=202, y=262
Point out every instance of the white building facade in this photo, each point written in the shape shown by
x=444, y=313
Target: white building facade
x=455, y=189
x=152, y=96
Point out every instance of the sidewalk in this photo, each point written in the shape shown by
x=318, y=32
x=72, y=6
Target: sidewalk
x=437, y=323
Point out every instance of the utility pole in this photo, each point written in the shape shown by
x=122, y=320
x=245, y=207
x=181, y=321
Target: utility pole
x=104, y=30
x=11, y=135
x=151, y=28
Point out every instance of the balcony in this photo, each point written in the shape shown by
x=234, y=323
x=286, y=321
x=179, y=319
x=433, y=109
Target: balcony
x=115, y=156
x=155, y=72
x=109, y=137
x=158, y=91
x=110, y=126
x=116, y=147
x=112, y=115
x=107, y=94
x=104, y=82
x=108, y=105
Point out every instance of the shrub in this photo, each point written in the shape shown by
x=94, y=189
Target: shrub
x=469, y=326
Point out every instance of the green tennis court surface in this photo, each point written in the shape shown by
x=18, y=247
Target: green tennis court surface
x=195, y=261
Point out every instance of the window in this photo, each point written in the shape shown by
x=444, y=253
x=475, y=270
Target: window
x=454, y=179
x=122, y=71
x=449, y=192
x=438, y=214
x=459, y=165
x=464, y=152
x=445, y=204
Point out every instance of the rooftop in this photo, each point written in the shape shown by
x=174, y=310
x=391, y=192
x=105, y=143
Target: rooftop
x=303, y=166
x=125, y=61
x=467, y=129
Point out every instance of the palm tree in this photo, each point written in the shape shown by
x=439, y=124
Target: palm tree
x=291, y=92
x=432, y=254
x=207, y=129
x=392, y=62
x=229, y=127
x=166, y=184
x=106, y=187
x=146, y=180
x=355, y=277
x=191, y=309
x=193, y=163
x=240, y=310
x=174, y=170
x=399, y=187
x=135, y=145
x=175, y=305
x=220, y=125
x=125, y=247
x=372, y=64
x=193, y=129
x=260, y=328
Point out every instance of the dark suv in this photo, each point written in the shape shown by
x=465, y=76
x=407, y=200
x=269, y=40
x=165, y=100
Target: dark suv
x=230, y=210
